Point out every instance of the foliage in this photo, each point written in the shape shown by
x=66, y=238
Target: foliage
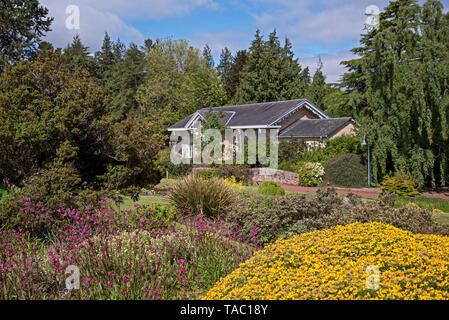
x=290, y=151
x=310, y=174
x=194, y=193
x=164, y=165
x=345, y=170
x=410, y=267
x=399, y=84
x=140, y=254
x=22, y=25
x=122, y=78
x=424, y=202
x=207, y=174
x=135, y=142
x=333, y=147
x=271, y=72
x=166, y=183
x=319, y=89
x=270, y=188
x=401, y=183
x=260, y=219
x=230, y=69
x=178, y=82
x=44, y=109
x=232, y=182
x=240, y=173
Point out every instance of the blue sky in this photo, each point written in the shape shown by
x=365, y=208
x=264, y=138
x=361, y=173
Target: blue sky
x=317, y=28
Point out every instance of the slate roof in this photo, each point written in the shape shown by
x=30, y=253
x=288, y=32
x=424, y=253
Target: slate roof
x=270, y=114
x=258, y=114
x=313, y=128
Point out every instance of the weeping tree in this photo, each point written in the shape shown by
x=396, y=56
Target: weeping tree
x=401, y=85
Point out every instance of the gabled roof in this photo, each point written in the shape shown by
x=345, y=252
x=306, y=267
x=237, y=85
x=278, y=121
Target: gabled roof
x=313, y=128
x=256, y=115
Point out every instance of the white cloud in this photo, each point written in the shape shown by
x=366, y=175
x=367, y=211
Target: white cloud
x=232, y=39
x=100, y=16
x=332, y=68
x=317, y=22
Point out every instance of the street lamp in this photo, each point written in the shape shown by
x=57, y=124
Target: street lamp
x=364, y=144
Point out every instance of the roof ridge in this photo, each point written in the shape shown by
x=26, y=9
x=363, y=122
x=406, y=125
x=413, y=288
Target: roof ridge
x=257, y=103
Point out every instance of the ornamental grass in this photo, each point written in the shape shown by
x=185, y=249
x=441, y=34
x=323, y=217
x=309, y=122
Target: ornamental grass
x=356, y=261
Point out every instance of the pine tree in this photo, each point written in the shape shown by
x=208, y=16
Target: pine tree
x=77, y=55
x=207, y=55
x=271, y=72
x=224, y=71
x=123, y=80
x=22, y=24
x=319, y=89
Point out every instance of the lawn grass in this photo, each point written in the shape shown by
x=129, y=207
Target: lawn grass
x=430, y=204
x=424, y=202
x=128, y=203
x=442, y=218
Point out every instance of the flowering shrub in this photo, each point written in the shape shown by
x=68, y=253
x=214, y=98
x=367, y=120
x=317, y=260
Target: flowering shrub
x=232, y=182
x=310, y=173
x=132, y=254
x=337, y=263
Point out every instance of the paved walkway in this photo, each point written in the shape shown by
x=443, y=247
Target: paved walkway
x=362, y=192
x=441, y=193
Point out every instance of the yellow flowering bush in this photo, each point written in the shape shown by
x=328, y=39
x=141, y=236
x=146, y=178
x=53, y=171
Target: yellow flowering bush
x=439, y=211
x=232, y=182
x=340, y=263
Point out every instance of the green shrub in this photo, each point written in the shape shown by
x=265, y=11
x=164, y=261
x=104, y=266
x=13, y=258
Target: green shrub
x=207, y=174
x=287, y=166
x=334, y=147
x=270, y=188
x=164, y=165
x=213, y=196
x=310, y=174
x=165, y=184
x=290, y=150
x=269, y=218
x=345, y=170
x=403, y=184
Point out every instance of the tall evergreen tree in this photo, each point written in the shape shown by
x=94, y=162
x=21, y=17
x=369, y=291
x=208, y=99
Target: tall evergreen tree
x=235, y=73
x=224, y=71
x=22, y=25
x=123, y=80
x=207, y=55
x=401, y=83
x=271, y=72
x=319, y=89
x=76, y=54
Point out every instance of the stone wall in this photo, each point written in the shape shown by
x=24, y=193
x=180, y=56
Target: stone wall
x=266, y=174
x=270, y=174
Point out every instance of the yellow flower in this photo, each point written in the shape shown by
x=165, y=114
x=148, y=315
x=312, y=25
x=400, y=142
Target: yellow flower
x=344, y=262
